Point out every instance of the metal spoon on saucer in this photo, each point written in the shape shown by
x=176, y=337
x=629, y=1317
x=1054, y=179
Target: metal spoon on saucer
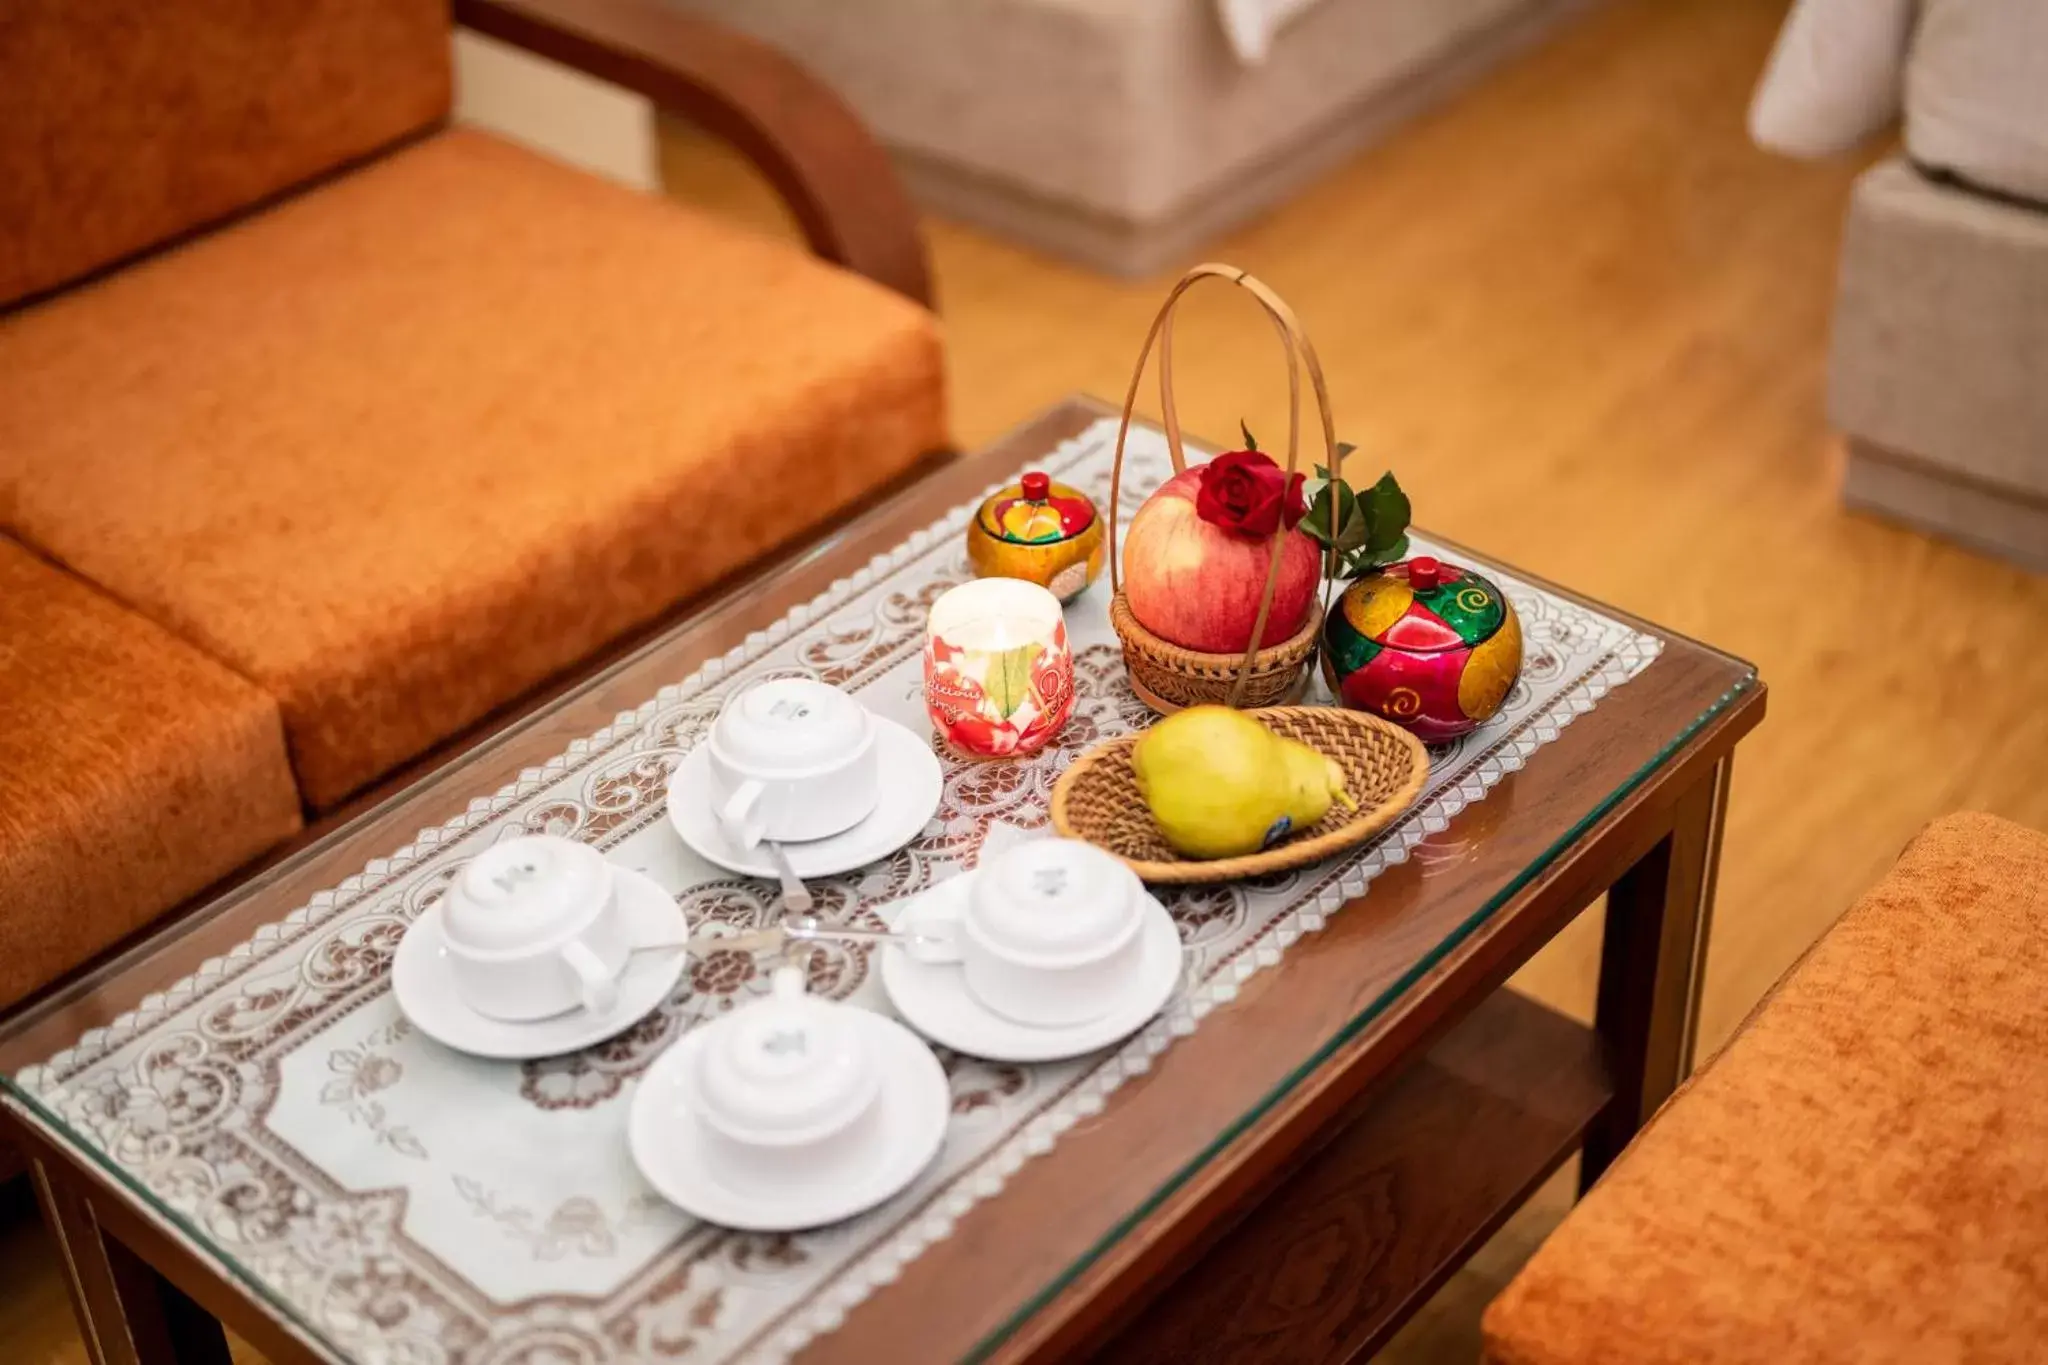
x=796, y=897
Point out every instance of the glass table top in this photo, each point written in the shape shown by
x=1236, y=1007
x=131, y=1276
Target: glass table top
x=1049, y=1169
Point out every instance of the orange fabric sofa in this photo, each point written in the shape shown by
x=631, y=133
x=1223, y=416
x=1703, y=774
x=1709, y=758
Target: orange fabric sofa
x=1861, y=1174
x=327, y=428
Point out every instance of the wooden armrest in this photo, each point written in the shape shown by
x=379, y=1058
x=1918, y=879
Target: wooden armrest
x=823, y=162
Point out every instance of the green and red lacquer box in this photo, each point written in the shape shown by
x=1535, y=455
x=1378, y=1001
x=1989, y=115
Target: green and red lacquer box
x=1431, y=646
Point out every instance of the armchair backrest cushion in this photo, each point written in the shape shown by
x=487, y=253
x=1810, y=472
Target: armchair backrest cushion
x=126, y=123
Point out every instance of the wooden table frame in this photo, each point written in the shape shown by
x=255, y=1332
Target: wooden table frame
x=1512, y=1087
x=1455, y=1063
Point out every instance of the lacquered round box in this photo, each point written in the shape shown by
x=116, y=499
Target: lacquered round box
x=1040, y=531
x=1433, y=647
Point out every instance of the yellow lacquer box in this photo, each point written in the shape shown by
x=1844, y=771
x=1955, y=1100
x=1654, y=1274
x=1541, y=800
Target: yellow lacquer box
x=1044, y=532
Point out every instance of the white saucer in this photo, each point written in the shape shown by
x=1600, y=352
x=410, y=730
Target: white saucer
x=424, y=987
x=934, y=999
x=911, y=784
x=667, y=1139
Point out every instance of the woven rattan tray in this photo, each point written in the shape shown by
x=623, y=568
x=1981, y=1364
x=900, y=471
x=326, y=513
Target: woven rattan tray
x=1097, y=798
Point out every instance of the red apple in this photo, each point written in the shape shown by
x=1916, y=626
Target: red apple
x=1198, y=585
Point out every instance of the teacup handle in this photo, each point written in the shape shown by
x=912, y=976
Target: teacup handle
x=600, y=989
x=936, y=930
x=740, y=816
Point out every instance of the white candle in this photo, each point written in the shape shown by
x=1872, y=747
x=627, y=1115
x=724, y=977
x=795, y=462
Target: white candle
x=992, y=634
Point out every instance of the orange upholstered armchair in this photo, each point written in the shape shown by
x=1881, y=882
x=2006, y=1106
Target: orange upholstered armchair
x=327, y=428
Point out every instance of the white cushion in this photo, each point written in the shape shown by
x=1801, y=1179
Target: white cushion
x=1251, y=24
x=1972, y=76
x=1834, y=77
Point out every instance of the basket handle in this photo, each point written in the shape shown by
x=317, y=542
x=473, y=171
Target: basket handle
x=1299, y=350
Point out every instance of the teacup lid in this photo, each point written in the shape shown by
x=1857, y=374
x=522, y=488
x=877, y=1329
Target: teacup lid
x=783, y=1070
x=1053, y=901
x=520, y=892
x=791, y=723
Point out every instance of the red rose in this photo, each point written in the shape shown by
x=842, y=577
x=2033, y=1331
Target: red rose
x=1245, y=492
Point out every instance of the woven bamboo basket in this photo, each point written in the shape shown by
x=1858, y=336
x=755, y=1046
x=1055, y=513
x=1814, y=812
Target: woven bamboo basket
x=1167, y=677
x=1164, y=675
x=1097, y=798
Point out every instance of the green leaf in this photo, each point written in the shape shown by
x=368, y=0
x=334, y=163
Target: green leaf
x=1345, y=508
x=1246, y=432
x=1354, y=528
x=1009, y=677
x=1350, y=522
x=1317, y=522
x=1365, y=560
x=1323, y=472
x=1387, y=511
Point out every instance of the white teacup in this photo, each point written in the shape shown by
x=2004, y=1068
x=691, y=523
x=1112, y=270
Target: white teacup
x=792, y=760
x=1048, y=935
x=533, y=929
x=787, y=1087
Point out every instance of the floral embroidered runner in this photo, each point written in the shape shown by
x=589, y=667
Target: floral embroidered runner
x=418, y=1207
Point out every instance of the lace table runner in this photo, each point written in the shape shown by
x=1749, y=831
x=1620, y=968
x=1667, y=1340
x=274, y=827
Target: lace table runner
x=416, y=1207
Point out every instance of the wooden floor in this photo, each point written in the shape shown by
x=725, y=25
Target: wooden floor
x=1586, y=322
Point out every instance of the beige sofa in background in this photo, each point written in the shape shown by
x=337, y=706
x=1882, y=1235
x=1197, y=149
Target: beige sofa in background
x=1939, y=371
x=1125, y=134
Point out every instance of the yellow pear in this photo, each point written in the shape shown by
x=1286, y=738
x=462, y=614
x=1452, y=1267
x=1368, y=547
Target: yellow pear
x=1219, y=784
x=1316, y=783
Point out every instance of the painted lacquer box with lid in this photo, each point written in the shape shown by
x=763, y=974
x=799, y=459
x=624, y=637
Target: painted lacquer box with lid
x=1043, y=532
x=1431, y=646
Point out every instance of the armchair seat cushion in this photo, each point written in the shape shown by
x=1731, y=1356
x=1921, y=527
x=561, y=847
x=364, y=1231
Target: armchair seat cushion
x=134, y=771
x=1858, y=1176
x=400, y=448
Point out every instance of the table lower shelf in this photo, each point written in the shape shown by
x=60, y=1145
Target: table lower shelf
x=1336, y=1258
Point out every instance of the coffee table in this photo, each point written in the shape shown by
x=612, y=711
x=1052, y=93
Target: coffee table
x=1286, y=1182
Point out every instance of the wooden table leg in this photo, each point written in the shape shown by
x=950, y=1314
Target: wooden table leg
x=1651, y=963
x=127, y=1313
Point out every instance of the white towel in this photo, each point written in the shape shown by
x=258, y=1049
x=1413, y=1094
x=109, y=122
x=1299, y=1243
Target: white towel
x=1251, y=24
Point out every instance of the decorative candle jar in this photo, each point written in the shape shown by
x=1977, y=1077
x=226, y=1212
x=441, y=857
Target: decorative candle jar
x=1040, y=531
x=1431, y=646
x=998, y=675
